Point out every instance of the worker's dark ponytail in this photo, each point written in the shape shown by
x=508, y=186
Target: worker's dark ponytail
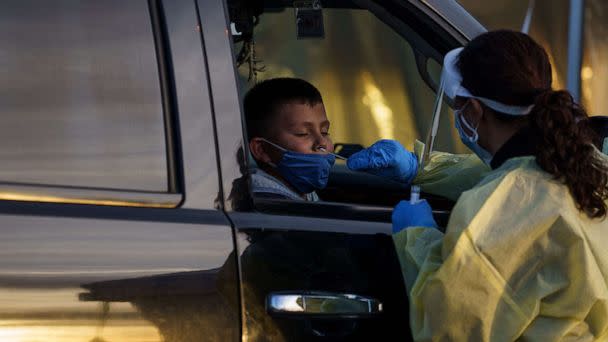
x=510, y=67
x=565, y=149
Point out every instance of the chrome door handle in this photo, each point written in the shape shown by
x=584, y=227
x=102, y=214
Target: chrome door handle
x=306, y=303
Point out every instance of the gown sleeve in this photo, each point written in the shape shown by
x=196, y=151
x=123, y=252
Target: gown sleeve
x=454, y=290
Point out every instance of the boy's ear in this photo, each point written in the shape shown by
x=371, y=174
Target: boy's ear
x=256, y=147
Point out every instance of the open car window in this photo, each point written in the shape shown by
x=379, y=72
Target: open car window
x=376, y=83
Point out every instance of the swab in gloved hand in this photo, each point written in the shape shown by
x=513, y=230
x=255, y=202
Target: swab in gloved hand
x=415, y=194
x=406, y=215
x=388, y=159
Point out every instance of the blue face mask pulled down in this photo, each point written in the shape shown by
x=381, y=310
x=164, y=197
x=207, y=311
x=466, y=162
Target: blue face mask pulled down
x=306, y=172
x=471, y=141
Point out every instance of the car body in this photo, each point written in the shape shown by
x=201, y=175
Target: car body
x=165, y=242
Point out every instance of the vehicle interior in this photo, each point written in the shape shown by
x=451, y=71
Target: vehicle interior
x=377, y=66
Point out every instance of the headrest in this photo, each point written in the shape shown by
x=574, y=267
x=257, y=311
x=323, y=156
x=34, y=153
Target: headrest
x=600, y=125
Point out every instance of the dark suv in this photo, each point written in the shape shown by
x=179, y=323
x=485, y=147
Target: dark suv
x=124, y=202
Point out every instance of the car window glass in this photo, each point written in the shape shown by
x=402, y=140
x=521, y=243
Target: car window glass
x=80, y=96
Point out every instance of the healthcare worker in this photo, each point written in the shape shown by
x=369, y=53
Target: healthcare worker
x=524, y=255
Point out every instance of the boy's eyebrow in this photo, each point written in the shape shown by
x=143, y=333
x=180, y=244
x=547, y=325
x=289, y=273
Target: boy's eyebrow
x=308, y=123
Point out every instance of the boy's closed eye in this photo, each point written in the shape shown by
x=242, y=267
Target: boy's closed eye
x=304, y=134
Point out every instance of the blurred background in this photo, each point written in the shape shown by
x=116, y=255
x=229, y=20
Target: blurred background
x=549, y=26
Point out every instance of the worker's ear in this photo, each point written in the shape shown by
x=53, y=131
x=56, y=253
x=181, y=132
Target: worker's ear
x=474, y=114
x=257, y=146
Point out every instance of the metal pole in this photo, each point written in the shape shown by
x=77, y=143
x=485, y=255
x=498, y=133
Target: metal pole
x=575, y=47
x=525, y=27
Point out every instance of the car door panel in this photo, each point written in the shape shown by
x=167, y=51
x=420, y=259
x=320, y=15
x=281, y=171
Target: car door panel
x=55, y=269
x=302, y=254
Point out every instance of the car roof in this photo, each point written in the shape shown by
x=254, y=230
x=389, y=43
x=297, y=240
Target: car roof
x=454, y=14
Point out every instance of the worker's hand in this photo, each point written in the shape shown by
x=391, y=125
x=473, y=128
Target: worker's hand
x=407, y=215
x=386, y=158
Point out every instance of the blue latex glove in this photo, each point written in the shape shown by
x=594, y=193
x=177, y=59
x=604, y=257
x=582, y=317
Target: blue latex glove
x=407, y=215
x=386, y=158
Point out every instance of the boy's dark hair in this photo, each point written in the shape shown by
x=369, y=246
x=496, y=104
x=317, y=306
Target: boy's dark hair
x=264, y=99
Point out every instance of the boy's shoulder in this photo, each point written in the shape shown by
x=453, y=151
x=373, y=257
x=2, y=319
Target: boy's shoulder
x=264, y=185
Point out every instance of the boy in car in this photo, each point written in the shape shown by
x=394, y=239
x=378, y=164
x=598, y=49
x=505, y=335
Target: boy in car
x=288, y=133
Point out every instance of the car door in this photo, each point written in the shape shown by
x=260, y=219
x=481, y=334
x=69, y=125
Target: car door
x=323, y=271
x=111, y=228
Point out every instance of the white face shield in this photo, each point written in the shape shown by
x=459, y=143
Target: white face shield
x=451, y=87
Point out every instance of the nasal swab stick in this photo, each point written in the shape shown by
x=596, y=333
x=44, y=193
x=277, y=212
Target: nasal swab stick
x=323, y=149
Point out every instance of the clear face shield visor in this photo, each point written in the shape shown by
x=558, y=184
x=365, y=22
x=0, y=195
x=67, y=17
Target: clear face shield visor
x=450, y=87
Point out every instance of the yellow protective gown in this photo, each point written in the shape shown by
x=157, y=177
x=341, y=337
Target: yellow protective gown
x=518, y=262
x=449, y=175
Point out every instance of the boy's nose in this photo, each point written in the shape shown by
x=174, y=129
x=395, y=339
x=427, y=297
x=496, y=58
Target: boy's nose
x=321, y=142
